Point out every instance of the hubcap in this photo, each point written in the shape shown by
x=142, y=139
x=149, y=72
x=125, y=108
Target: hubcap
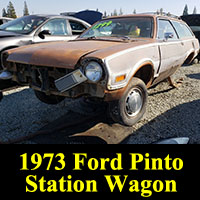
x=134, y=102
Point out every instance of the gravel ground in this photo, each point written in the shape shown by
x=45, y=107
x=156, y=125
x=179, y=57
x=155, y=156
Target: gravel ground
x=170, y=112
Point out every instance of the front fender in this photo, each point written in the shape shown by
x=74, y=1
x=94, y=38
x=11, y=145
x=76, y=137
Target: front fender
x=129, y=73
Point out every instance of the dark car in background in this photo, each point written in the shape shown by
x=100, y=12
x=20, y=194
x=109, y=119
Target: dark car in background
x=194, y=22
x=89, y=16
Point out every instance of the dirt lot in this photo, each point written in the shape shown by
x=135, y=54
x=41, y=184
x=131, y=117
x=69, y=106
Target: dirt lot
x=170, y=113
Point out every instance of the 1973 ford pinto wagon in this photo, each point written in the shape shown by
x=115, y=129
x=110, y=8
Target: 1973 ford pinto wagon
x=116, y=61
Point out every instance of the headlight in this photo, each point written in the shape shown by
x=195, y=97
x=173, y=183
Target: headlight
x=93, y=71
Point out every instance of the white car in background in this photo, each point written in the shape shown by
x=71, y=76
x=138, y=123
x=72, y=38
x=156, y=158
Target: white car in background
x=39, y=28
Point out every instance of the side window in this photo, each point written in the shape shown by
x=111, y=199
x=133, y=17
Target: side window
x=182, y=30
x=77, y=27
x=164, y=26
x=56, y=27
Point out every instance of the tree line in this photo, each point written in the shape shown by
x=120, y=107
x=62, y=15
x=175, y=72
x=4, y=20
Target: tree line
x=11, y=13
x=159, y=11
x=115, y=13
x=186, y=10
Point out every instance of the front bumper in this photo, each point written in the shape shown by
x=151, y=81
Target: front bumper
x=60, y=82
x=56, y=81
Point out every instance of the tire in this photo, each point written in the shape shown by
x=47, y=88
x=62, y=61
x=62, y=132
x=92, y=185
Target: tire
x=48, y=99
x=125, y=110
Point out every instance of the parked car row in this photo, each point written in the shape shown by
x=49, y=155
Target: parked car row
x=116, y=60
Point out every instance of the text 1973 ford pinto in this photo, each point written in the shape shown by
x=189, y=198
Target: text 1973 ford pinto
x=116, y=61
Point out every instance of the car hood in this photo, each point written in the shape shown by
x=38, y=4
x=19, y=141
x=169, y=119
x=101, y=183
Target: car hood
x=65, y=54
x=4, y=34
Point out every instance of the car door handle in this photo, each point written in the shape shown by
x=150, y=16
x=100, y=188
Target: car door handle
x=182, y=43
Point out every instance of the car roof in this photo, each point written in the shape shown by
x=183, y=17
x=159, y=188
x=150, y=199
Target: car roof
x=51, y=16
x=48, y=15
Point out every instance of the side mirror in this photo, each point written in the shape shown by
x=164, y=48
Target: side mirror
x=43, y=33
x=169, y=36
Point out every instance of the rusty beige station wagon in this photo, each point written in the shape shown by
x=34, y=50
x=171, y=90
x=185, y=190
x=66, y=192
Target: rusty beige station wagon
x=116, y=61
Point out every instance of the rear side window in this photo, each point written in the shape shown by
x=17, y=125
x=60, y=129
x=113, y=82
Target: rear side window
x=164, y=27
x=77, y=28
x=182, y=30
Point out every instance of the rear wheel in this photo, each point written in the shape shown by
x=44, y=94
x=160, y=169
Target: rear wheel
x=48, y=99
x=132, y=106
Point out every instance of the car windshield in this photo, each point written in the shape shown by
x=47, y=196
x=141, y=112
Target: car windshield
x=133, y=27
x=23, y=25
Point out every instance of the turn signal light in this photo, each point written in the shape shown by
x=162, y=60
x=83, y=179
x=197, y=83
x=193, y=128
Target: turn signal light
x=120, y=78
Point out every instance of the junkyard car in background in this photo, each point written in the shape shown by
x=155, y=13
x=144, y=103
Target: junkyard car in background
x=89, y=16
x=194, y=22
x=39, y=28
x=116, y=60
x=4, y=20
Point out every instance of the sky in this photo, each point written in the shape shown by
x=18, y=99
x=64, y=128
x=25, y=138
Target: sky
x=57, y=6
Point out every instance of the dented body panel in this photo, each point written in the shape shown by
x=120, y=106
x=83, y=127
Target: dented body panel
x=151, y=59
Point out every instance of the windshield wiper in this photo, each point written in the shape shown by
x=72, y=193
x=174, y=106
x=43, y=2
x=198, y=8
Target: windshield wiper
x=114, y=39
x=125, y=38
x=106, y=38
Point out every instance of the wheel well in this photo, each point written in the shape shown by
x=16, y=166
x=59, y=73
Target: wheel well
x=7, y=48
x=189, y=59
x=145, y=73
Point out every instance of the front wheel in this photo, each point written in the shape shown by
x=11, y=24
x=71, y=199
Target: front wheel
x=132, y=106
x=48, y=99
